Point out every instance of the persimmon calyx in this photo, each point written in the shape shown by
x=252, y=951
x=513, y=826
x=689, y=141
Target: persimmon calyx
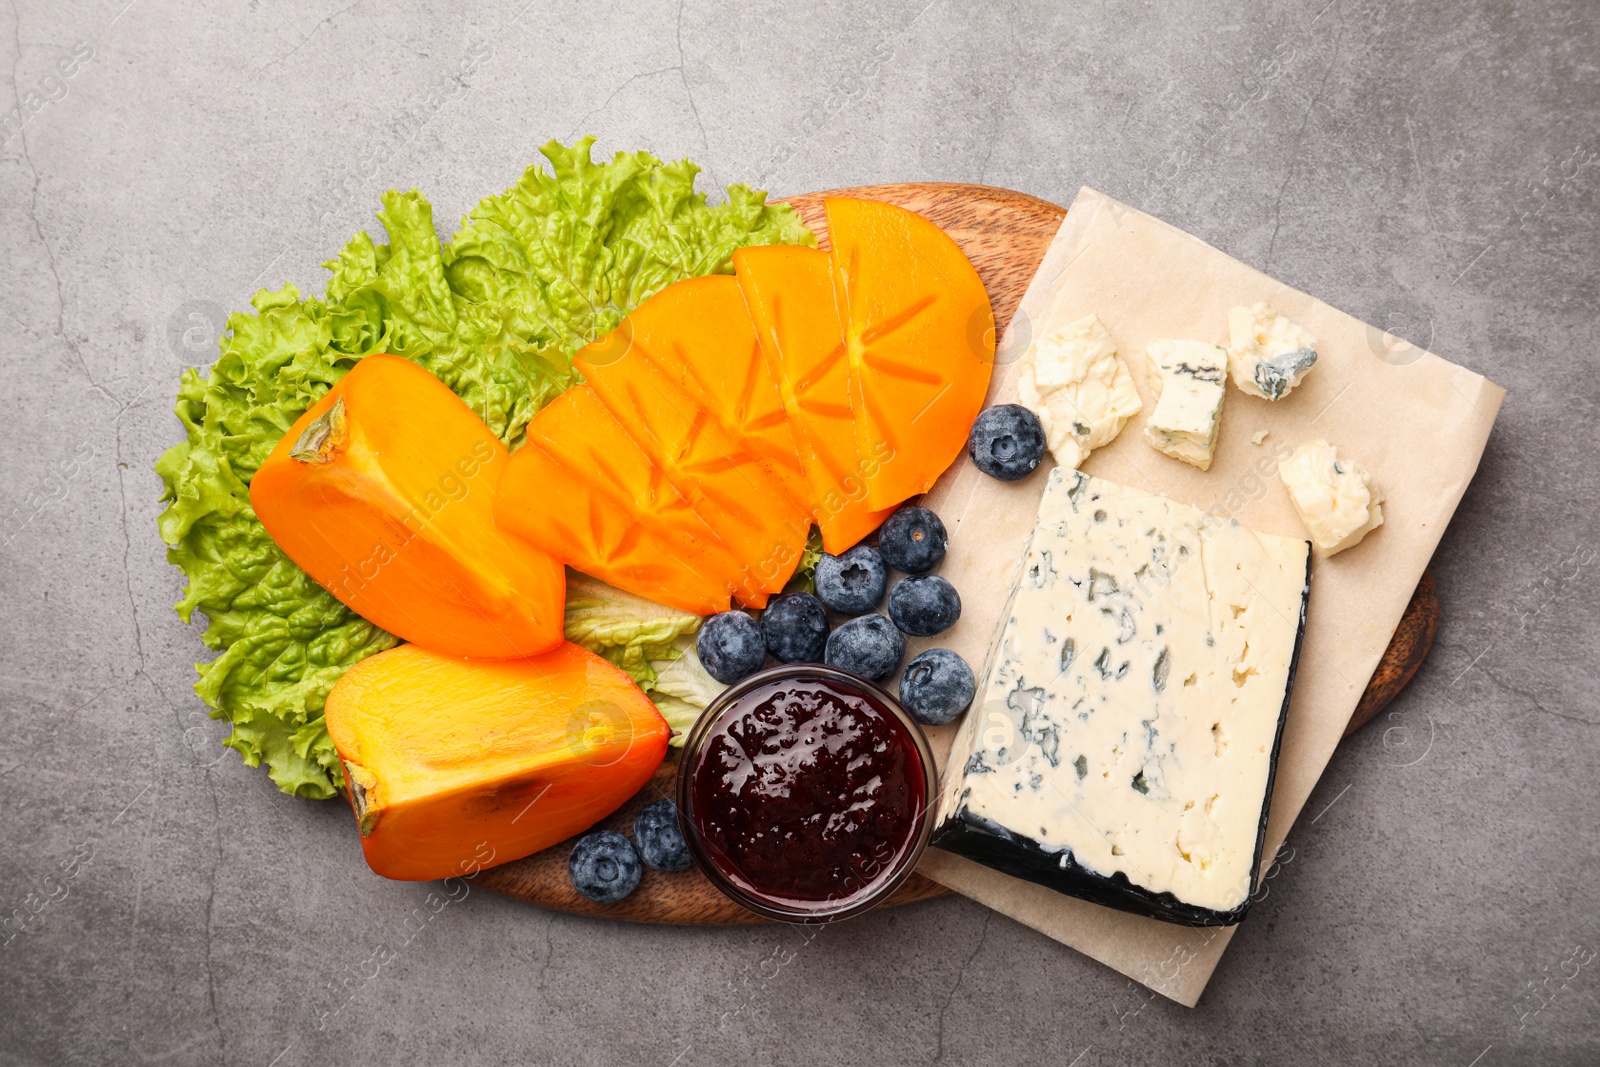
x=360, y=781
x=324, y=434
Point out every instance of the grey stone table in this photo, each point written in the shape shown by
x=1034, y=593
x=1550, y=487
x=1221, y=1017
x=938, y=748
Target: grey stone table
x=1427, y=166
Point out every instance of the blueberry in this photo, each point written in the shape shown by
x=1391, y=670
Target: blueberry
x=795, y=626
x=660, y=841
x=1007, y=442
x=868, y=645
x=912, y=540
x=853, y=582
x=937, y=686
x=604, y=866
x=924, y=605
x=730, y=646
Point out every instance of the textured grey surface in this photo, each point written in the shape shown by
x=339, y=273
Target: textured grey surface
x=1426, y=166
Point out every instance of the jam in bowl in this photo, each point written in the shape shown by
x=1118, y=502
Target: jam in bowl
x=803, y=792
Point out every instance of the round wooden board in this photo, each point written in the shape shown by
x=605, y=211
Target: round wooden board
x=1005, y=234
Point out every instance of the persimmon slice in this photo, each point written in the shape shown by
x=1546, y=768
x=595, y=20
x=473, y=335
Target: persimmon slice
x=715, y=470
x=919, y=342
x=788, y=291
x=699, y=332
x=581, y=490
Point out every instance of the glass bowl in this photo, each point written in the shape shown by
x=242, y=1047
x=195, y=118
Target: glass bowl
x=880, y=879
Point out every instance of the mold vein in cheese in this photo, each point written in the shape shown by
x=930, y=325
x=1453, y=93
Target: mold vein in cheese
x=1123, y=740
x=1072, y=378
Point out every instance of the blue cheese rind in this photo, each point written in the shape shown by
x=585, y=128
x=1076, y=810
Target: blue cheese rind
x=1124, y=740
x=1189, y=379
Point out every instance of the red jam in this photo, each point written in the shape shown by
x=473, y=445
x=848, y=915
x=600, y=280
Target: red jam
x=806, y=794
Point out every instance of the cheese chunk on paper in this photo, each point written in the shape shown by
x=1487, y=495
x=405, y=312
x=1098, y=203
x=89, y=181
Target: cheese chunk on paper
x=1147, y=281
x=1072, y=378
x=1188, y=379
x=1335, y=496
x=1267, y=354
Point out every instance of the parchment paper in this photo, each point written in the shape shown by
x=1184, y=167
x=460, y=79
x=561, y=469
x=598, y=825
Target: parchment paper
x=1417, y=422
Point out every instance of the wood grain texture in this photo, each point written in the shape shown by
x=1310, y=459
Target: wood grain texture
x=1005, y=234
x=1410, y=643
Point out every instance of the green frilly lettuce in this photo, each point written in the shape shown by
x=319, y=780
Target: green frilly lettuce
x=682, y=688
x=804, y=578
x=628, y=630
x=496, y=313
x=646, y=640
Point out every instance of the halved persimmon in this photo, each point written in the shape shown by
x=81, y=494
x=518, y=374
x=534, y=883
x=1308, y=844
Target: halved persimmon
x=453, y=765
x=383, y=492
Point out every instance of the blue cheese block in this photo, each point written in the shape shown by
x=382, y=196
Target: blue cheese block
x=1123, y=743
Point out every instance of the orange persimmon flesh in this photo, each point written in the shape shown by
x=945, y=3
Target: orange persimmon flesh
x=699, y=332
x=788, y=291
x=456, y=764
x=716, y=470
x=383, y=492
x=581, y=490
x=919, y=342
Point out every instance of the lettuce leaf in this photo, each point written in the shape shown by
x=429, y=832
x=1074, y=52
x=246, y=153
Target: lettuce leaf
x=496, y=313
x=682, y=688
x=804, y=578
x=654, y=644
x=634, y=633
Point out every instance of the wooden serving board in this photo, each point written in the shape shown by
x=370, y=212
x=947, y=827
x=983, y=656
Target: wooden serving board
x=1005, y=234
